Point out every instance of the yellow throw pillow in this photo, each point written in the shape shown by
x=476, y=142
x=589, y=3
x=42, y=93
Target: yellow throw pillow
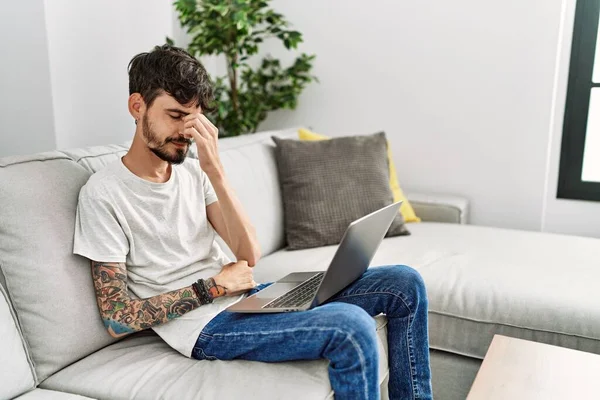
x=406, y=209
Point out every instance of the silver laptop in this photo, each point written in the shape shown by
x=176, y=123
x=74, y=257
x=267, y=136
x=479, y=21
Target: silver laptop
x=301, y=291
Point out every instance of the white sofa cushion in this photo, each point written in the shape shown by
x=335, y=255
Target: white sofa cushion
x=50, y=288
x=530, y=285
x=16, y=375
x=481, y=281
x=144, y=367
x=96, y=157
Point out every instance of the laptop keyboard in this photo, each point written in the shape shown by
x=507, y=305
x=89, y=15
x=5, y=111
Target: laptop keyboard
x=299, y=295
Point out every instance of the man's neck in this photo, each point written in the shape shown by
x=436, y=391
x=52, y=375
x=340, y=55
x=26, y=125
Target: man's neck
x=141, y=161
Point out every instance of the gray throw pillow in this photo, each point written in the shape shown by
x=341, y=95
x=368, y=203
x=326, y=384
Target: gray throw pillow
x=327, y=184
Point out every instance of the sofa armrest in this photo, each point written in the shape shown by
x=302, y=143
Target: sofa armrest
x=440, y=207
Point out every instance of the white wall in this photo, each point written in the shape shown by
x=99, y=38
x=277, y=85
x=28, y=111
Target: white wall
x=462, y=88
x=91, y=43
x=565, y=216
x=25, y=95
x=63, y=81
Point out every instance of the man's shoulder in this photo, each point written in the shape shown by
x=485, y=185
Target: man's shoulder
x=102, y=181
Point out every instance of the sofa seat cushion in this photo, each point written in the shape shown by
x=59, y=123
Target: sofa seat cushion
x=145, y=367
x=43, y=394
x=482, y=281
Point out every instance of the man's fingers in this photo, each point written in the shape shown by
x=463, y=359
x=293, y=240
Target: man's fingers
x=189, y=129
x=207, y=121
x=203, y=125
x=209, y=126
x=248, y=286
x=203, y=130
x=203, y=118
x=193, y=125
x=192, y=133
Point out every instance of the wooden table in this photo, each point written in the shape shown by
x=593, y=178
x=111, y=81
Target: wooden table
x=519, y=369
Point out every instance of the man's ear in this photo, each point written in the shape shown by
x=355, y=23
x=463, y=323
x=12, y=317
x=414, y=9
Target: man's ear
x=137, y=106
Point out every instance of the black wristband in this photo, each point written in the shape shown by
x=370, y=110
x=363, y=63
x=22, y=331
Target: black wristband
x=201, y=292
x=198, y=295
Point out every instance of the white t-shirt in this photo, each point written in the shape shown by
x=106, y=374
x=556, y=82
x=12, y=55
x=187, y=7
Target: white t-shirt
x=162, y=234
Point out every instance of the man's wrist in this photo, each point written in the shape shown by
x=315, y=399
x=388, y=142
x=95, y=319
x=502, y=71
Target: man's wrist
x=214, y=290
x=201, y=292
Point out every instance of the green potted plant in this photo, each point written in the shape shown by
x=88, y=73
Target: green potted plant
x=235, y=29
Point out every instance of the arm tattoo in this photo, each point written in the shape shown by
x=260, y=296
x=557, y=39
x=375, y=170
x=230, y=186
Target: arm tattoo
x=213, y=289
x=122, y=314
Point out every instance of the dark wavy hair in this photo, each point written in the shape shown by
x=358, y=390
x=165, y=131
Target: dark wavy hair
x=174, y=71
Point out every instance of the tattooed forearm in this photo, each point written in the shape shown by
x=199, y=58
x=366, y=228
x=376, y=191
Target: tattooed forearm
x=122, y=314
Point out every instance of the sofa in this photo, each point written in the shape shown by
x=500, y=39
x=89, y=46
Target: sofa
x=480, y=281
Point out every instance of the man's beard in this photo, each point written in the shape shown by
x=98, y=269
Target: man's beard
x=160, y=149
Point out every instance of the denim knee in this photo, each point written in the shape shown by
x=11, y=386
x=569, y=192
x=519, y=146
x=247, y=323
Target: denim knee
x=355, y=322
x=417, y=281
x=409, y=282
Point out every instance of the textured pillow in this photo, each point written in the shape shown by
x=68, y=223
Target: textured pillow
x=328, y=184
x=406, y=208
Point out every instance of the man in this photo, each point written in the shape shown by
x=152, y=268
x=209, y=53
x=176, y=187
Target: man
x=147, y=222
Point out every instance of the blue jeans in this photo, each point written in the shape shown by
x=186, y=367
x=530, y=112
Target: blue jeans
x=341, y=331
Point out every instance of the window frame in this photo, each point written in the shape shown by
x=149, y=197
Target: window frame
x=580, y=86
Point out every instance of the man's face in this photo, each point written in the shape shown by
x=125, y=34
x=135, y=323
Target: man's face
x=162, y=124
